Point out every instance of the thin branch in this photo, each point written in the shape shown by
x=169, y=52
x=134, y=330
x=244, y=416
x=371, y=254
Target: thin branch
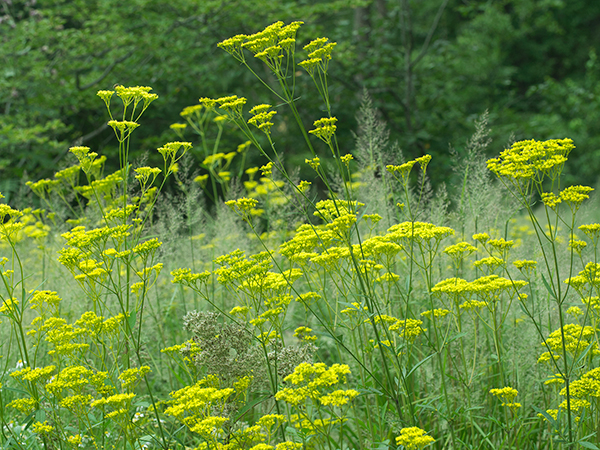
x=182, y=23
x=108, y=70
x=434, y=26
x=80, y=141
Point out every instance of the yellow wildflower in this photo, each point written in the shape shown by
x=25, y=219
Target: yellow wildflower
x=413, y=438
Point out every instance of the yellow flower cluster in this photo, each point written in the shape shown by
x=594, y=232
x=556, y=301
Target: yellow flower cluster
x=196, y=405
x=77, y=404
x=42, y=187
x=346, y=159
x=592, y=231
x=421, y=231
x=328, y=210
x=491, y=262
x=242, y=206
x=577, y=245
x=453, y=286
x=173, y=152
x=305, y=241
x=34, y=375
x=105, y=186
x=488, y=288
x=331, y=257
x=339, y=397
x=387, y=277
x=408, y=329
x=266, y=45
x=524, y=264
x=575, y=195
x=341, y=225
x=377, y=246
x=460, y=250
x=414, y=438
x=319, y=55
x=123, y=126
x=501, y=244
x=531, y=160
x=551, y=200
x=507, y=396
x=437, y=312
x=314, y=162
x=187, y=278
x=236, y=267
x=304, y=186
x=261, y=118
x=267, y=169
x=492, y=286
x=120, y=403
x=75, y=380
x=146, y=248
x=576, y=340
x=42, y=427
x=588, y=277
x=593, y=303
x=24, y=405
x=195, y=109
x=40, y=300
x=403, y=169
x=303, y=334
x=481, y=237
x=232, y=104
x=325, y=129
x=128, y=95
x=585, y=387
x=86, y=162
x=143, y=174
x=130, y=377
x=311, y=380
x=81, y=239
x=63, y=336
x=68, y=176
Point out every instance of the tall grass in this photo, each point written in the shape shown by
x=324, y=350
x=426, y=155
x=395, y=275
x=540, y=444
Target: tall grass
x=377, y=314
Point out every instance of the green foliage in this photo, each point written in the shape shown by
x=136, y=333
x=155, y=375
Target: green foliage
x=56, y=53
x=431, y=67
x=374, y=318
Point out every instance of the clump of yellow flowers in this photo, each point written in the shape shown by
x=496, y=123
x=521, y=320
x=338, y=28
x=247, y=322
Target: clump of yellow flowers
x=414, y=438
x=507, y=395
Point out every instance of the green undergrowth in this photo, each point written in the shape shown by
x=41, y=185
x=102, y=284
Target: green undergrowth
x=357, y=309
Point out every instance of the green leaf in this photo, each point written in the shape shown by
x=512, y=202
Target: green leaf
x=547, y=416
x=548, y=288
x=456, y=336
x=248, y=406
x=419, y=364
x=583, y=354
x=586, y=444
x=131, y=320
x=370, y=390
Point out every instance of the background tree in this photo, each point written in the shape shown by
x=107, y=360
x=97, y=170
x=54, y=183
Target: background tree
x=431, y=67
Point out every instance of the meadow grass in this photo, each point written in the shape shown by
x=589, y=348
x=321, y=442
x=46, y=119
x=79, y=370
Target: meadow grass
x=378, y=315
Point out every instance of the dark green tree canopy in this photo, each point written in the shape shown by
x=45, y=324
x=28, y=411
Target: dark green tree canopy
x=431, y=67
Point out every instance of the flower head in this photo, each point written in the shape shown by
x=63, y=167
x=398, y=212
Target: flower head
x=413, y=438
x=325, y=129
x=531, y=160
